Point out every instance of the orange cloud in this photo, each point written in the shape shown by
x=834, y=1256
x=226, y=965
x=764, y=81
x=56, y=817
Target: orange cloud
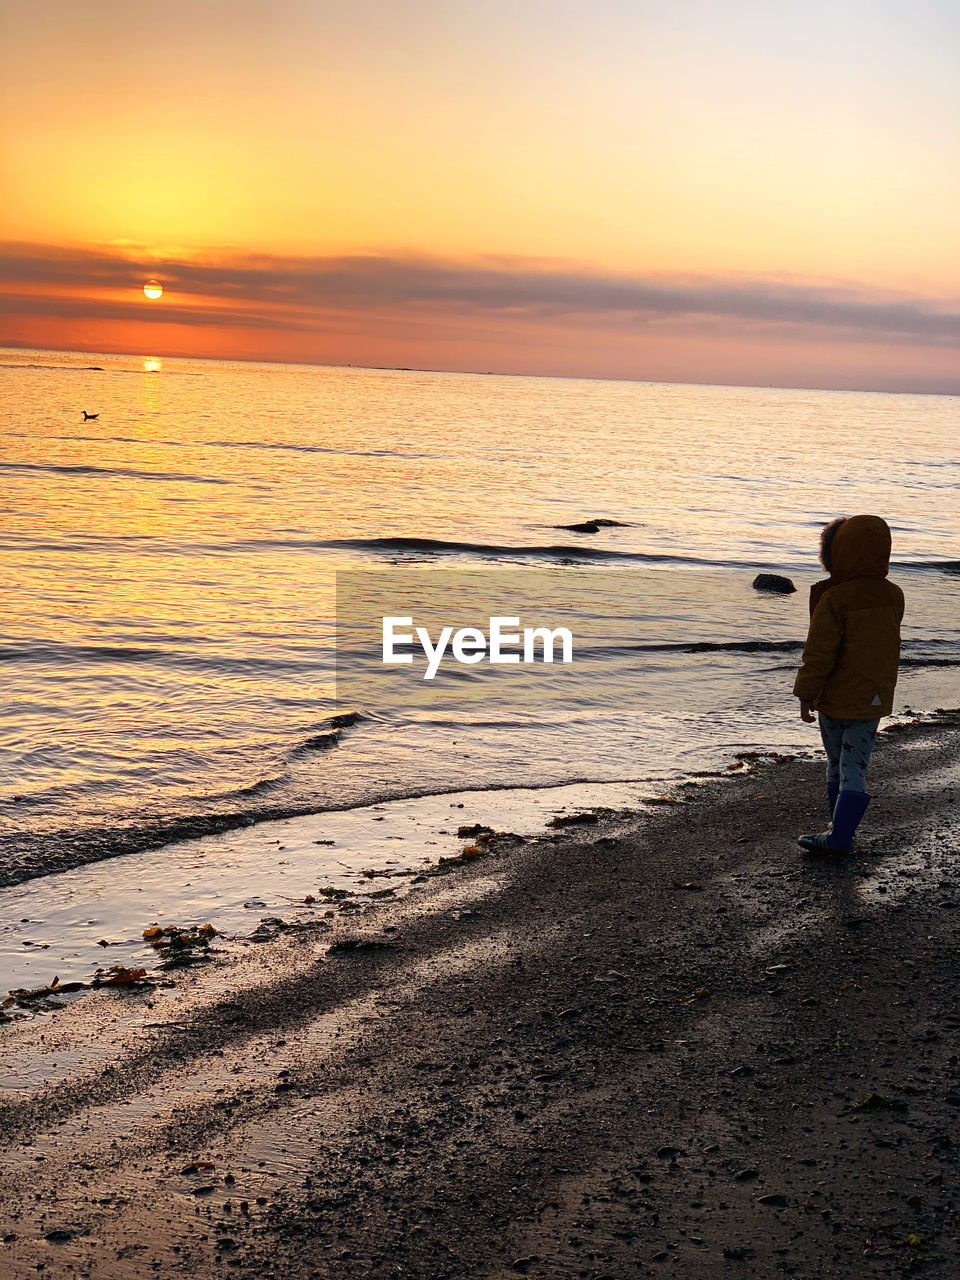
x=507, y=313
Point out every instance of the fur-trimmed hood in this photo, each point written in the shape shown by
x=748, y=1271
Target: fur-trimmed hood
x=860, y=548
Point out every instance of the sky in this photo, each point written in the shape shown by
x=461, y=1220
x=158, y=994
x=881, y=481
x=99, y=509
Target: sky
x=737, y=191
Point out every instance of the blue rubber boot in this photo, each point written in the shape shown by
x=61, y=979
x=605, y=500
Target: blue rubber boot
x=833, y=790
x=849, y=809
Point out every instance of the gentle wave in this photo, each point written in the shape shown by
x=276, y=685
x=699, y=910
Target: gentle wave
x=324, y=737
x=408, y=545
x=65, y=469
x=99, y=368
x=76, y=653
x=443, y=546
x=313, y=448
x=400, y=544
x=915, y=652
x=721, y=646
x=232, y=444
x=27, y=435
x=55, y=368
x=25, y=853
x=908, y=649
x=112, y=655
x=772, y=646
x=329, y=736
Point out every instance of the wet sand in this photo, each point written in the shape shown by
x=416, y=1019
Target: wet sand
x=668, y=1048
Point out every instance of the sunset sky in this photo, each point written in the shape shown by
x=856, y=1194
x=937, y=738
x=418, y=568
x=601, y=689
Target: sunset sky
x=693, y=190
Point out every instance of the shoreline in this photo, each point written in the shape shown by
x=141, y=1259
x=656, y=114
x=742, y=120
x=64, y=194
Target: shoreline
x=33, y=856
x=294, y=872
x=120, y=842
x=600, y=1052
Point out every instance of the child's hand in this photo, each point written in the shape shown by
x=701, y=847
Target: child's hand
x=806, y=712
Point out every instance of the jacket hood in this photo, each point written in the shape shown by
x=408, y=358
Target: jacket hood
x=860, y=549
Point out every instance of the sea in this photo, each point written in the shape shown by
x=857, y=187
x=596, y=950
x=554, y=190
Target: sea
x=169, y=639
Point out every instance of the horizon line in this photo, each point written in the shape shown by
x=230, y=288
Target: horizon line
x=14, y=345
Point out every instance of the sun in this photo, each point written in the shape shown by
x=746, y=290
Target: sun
x=153, y=289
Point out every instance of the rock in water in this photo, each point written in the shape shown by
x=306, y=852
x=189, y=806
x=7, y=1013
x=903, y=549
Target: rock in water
x=773, y=582
x=593, y=525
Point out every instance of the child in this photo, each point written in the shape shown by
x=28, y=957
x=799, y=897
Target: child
x=849, y=666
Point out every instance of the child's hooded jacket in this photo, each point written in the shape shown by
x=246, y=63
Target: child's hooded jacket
x=850, y=660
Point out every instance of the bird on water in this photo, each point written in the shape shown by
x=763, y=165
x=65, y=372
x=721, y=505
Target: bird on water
x=89, y=417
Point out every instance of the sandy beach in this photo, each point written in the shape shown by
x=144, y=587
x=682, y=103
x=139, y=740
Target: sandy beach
x=669, y=1047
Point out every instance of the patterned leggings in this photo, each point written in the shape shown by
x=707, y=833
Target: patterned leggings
x=848, y=744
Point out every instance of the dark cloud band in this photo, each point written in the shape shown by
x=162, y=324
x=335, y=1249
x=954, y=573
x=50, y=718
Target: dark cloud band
x=292, y=293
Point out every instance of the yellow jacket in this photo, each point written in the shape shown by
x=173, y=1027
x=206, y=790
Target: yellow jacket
x=852, y=653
